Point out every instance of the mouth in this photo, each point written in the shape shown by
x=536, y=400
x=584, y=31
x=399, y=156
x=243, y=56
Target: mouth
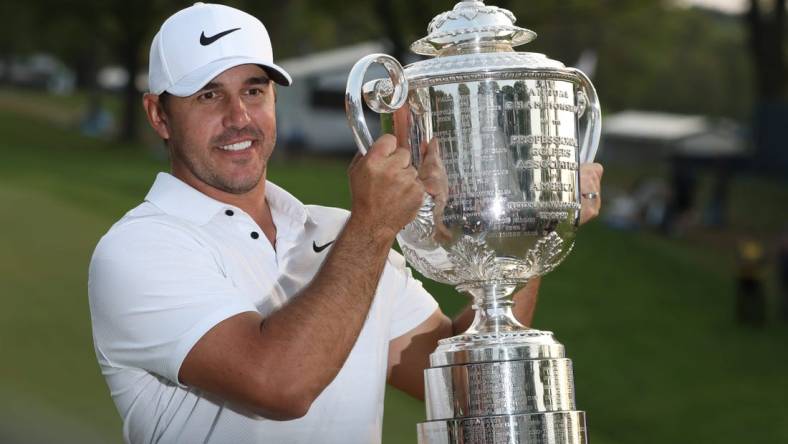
x=237, y=146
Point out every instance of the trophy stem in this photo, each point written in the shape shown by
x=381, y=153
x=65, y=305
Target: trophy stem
x=493, y=304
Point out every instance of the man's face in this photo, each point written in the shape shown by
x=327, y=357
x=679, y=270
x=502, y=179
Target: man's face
x=223, y=135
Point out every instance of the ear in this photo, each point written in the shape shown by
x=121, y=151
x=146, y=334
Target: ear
x=156, y=115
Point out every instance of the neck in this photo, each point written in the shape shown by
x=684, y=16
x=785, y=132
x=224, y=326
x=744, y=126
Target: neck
x=253, y=202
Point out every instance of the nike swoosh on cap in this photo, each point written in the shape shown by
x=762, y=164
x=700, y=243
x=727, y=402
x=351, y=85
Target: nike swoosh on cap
x=205, y=41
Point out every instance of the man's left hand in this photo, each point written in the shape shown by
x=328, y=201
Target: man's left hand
x=590, y=191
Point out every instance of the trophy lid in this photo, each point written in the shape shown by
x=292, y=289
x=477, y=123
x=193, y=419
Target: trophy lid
x=474, y=27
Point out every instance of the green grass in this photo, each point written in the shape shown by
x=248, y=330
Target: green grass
x=648, y=321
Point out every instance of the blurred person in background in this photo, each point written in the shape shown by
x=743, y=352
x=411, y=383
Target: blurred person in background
x=226, y=311
x=750, y=295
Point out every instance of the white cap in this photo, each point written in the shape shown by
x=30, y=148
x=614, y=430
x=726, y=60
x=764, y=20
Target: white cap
x=200, y=42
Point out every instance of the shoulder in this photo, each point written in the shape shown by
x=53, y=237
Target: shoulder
x=327, y=221
x=327, y=215
x=147, y=253
x=145, y=224
x=146, y=237
x=333, y=219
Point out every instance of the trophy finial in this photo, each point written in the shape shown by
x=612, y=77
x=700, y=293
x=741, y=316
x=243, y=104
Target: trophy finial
x=471, y=23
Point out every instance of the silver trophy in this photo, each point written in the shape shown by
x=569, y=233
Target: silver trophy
x=511, y=129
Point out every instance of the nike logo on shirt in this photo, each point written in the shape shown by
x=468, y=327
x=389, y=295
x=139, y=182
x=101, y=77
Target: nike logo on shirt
x=320, y=248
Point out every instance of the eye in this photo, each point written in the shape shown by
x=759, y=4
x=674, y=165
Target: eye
x=258, y=89
x=208, y=96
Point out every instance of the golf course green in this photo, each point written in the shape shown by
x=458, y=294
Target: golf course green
x=648, y=321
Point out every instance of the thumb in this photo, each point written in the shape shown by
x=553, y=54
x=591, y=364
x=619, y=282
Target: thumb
x=356, y=159
x=384, y=146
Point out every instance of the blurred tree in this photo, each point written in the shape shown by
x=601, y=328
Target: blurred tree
x=131, y=23
x=75, y=35
x=766, y=20
x=90, y=33
x=128, y=28
x=16, y=36
x=767, y=40
x=651, y=56
x=644, y=47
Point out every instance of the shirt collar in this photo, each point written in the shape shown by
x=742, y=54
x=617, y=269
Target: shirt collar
x=177, y=198
x=285, y=204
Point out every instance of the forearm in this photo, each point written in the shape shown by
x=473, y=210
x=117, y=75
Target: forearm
x=523, y=309
x=276, y=366
x=279, y=364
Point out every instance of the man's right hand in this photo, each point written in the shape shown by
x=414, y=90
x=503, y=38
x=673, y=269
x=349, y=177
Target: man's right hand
x=385, y=187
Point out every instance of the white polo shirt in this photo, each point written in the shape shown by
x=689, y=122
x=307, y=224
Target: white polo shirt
x=181, y=262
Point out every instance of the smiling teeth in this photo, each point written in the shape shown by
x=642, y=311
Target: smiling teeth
x=237, y=146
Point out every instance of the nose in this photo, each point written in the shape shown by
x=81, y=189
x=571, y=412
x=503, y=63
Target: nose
x=236, y=115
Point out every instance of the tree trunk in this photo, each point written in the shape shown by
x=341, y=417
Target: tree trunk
x=767, y=42
x=131, y=96
x=392, y=26
x=133, y=19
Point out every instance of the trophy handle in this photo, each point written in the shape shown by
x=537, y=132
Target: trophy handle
x=381, y=96
x=590, y=114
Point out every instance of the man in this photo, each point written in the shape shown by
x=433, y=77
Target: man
x=224, y=310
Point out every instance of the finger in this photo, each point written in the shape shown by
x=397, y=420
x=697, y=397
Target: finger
x=401, y=157
x=589, y=209
x=590, y=178
x=423, y=151
x=431, y=166
x=591, y=191
x=384, y=146
x=433, y=149
x=356, y=159
x=429, y=150
x=591, y=172
x=412, y=174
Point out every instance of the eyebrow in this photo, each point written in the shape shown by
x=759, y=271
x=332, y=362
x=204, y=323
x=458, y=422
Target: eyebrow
x=257, y=80
x=261, y=80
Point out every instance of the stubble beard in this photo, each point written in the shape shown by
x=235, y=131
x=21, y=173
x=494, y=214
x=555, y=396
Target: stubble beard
x=210, y=176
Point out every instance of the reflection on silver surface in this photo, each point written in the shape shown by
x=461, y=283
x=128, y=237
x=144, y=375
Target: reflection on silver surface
x=543, y=428
x=526, y=386
x=510, y=152
x=501, y=135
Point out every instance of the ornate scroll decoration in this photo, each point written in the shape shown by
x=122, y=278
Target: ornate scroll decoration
x=422, y=227
x=541, y=259
x=474, y=259
x=427, y=269
x=470, y=258
x=468, y=10
x=545, y=255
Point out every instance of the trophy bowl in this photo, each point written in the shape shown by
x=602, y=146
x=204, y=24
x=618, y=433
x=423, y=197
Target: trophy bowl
x=510, y=130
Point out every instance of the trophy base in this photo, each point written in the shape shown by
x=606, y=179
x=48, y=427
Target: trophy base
x=513, y=387
x=537, y=428
x=526, y=343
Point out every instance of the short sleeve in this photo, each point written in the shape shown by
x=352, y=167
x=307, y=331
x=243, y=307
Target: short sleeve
x=413, y=305
x=154, y=291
